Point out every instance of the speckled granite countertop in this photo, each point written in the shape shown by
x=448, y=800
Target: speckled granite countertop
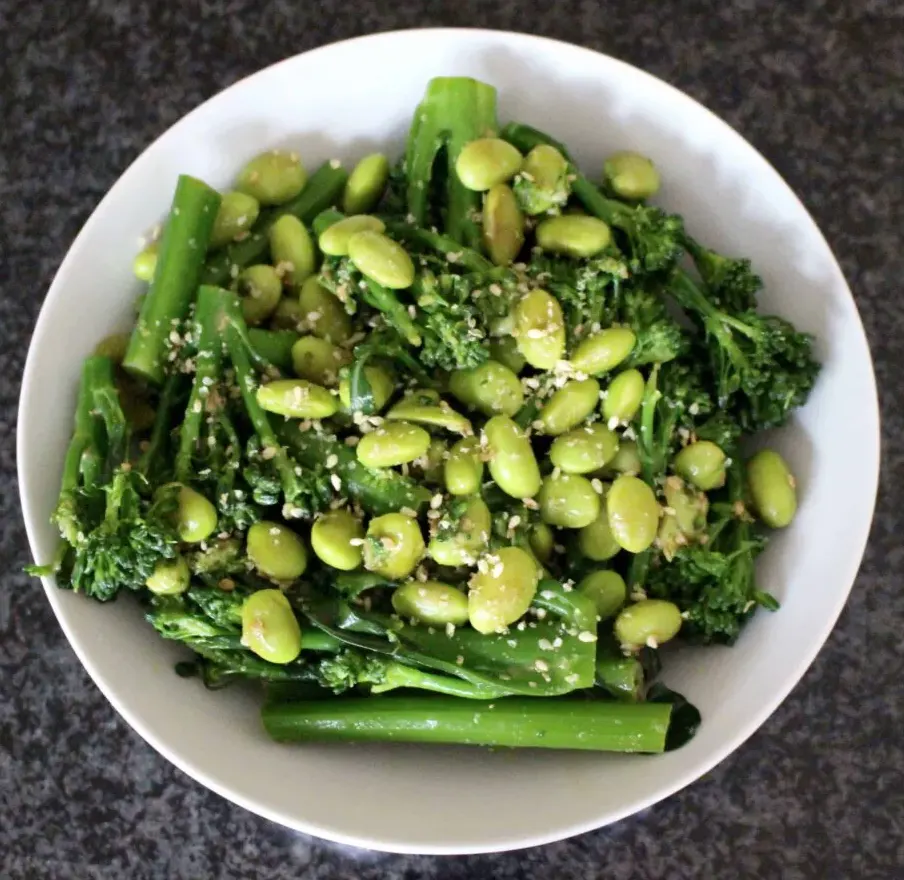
x=816, y=85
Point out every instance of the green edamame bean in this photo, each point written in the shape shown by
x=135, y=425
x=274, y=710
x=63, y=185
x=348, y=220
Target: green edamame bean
x=428, y=468
x=276, y=551
x=568, y=501
x=626, y=460
x=337, y=538
x=113, y=346
x=701, y=463
x=633, y=513
x=145, y=263
x=540, y=329
x=365, y=185
x=773, y=488
x=502, y=594
x=687, y=506
x=573, y=235
x=624, y=396
x=196, y=517
x=324, y=315
x=292, y=249
x=631, y=175
x=483, y=163
x=546, y=169
x=463, y=546
x=270, y=628
x=287, y=315
x=512, y=463
x=381, y=384
x=236, y=215
x=569, y=406
x=318, y=361
x=439, y=414
x=379, y=257
x=596, y=541
x=393, y=443
x=584, y=450
x=504, y=349
x=607, y=589
x=393, y=546
x=542, y=541
x=603, y=351
x=490, y=388
x=431, y=602
x=334, y=239
x=650, y=622
x=273, y=178
x=463, y=469
x=170, y=577
x=503, y=225
x=260, y=290
x=297, y=399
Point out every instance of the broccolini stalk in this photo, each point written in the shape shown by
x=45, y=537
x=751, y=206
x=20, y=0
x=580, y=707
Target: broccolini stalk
x=386, y=301
x=151, y=464
x=453, y=112
x=513, y=722
x=179, y=264
x=444, y=245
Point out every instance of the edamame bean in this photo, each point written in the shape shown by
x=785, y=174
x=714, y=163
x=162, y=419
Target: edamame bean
x=569, y=406
x=701, y=463
x=297, y=399
x=463, y=469
x=381, y=384
x=512, y=463
x=365, y=185
x=145, y=263
x=287, y=315
x=260, y=290
x=542, y=541
x=607, y=590
x=623, y=396
x=633, y=513
x=196, y=517
x=502, y=593
x=626, y=460
x=568, y=501
x=393, y=443
x=379, y=257
x=540, y=329
x=334, y=239
x=773, y=488
x=394, y=546
x=584, y=450
x=170, y=577
x=236, y=215
x=603, y=351
x=596, y=540
x=573, y=235
x=503, y=225
x=431, y=602
x=113, y=346
x=276, y=551
x=483, y=163
x=270, y=628
x=463, y=546
x=318, y=361
x=631, y=175
x=337, y=538
x=687, y=506
x=324, y=315
x=504, y=350
x=650, y=622
x=273, y=178
x=292, y=249
x=428, y=468
x=490, y=388
x=412, y=408
x=546, y=169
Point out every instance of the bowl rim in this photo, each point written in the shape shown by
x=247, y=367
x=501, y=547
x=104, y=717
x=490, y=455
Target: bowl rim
x=858, y=540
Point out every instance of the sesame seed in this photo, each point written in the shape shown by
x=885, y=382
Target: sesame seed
x=336, y=482
x=587, y=636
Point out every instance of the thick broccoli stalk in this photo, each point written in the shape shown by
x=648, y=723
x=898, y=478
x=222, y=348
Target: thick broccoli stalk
x=453, y=112
x=731, y=283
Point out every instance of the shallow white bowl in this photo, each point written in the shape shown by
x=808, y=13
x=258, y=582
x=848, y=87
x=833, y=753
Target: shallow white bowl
x=343, y=101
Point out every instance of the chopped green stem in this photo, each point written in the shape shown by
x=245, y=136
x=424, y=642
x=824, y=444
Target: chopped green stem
x=398, y=675
x=163, y=423
x=396, y=312
x=621, y=677
x=325, y=219
x=318, y=640
x=515, y=722
x=444, y=245
x=179, y=264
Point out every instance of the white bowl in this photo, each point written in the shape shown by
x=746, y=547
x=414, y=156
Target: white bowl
x=343, y=101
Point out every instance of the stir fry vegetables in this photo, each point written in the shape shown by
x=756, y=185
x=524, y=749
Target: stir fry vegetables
x=463, y=427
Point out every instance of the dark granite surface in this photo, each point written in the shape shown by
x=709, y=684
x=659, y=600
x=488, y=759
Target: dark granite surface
x=817, y=86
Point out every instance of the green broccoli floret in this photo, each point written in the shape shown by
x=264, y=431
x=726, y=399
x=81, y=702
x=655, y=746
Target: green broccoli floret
x=349, y=668
x=731, y=283
x=659, y=337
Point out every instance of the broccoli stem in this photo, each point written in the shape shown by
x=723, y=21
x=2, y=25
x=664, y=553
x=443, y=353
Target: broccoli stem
x=398, y=675
x=323, y=189
x=179, y=265
x=516, y=722
x=442, y=244
x=377, y=492
x=388, y=303
x=621, y=677
x=163, y=423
